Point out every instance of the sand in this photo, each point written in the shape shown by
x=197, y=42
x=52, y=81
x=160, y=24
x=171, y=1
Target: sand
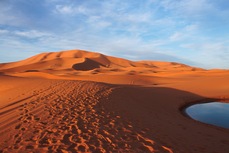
x=79, y=101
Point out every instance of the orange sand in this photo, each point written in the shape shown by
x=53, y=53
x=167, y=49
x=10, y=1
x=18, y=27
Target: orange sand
x=78, y=101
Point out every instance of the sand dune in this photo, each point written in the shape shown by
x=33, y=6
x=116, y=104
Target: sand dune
x=78, y=64
x=69, y=60
x=79, y=101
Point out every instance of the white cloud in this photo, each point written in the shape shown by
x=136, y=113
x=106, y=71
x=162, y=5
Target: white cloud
x=31, y=34
x=64, y=9
x=69, y=9
x=98, y=22
x=176, y=36
x=2, y=31
x=103, y=24
x=188, y=32
x=211, y=53
x=136, y=17
x=188, y=7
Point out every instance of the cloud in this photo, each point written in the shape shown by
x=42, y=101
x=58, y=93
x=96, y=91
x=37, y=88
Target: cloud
x=75, y=8
x=188, y=7
x=64, y=9
x=188, y=32
x=14, y=49
x=31, y=34
x=2, y=31
x=98, y=23
x=210, y=52
x=24, y=33
x=70, y=9
x=206, y=13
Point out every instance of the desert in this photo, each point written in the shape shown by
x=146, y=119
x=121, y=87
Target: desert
x=82, y=101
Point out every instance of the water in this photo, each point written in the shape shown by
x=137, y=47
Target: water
x=215, y=113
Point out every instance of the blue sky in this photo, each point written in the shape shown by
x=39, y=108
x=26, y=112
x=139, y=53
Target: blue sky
x=194, y=32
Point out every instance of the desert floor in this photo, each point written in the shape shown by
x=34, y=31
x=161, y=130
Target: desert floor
x=128, y=109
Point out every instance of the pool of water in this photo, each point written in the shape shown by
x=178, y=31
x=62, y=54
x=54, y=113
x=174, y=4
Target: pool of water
x=215, y=113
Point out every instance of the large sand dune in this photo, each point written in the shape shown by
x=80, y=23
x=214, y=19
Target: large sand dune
x=79, y=101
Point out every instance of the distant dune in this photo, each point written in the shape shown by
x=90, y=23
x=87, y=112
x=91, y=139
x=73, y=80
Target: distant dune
x=85, y=61
x=80, y=101
x=78, y=64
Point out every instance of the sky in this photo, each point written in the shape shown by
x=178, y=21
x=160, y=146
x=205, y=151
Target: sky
x=193, y=32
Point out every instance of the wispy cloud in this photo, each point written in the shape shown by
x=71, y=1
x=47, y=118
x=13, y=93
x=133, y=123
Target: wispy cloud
x=2, y=31
x=210, y=52
x=31, y=34
x=189, y=8
x=70, y=9
x=188, y=32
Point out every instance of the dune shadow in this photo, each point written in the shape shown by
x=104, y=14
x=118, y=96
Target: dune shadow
x=32, y=71
x=87, y=65
x=141, y=111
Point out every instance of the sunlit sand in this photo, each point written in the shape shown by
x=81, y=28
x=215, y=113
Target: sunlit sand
x=79, y=101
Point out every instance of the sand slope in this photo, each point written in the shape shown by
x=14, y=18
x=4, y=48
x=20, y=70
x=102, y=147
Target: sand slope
x=56, y=102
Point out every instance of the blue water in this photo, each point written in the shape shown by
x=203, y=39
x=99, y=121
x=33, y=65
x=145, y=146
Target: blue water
x=215, y=113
